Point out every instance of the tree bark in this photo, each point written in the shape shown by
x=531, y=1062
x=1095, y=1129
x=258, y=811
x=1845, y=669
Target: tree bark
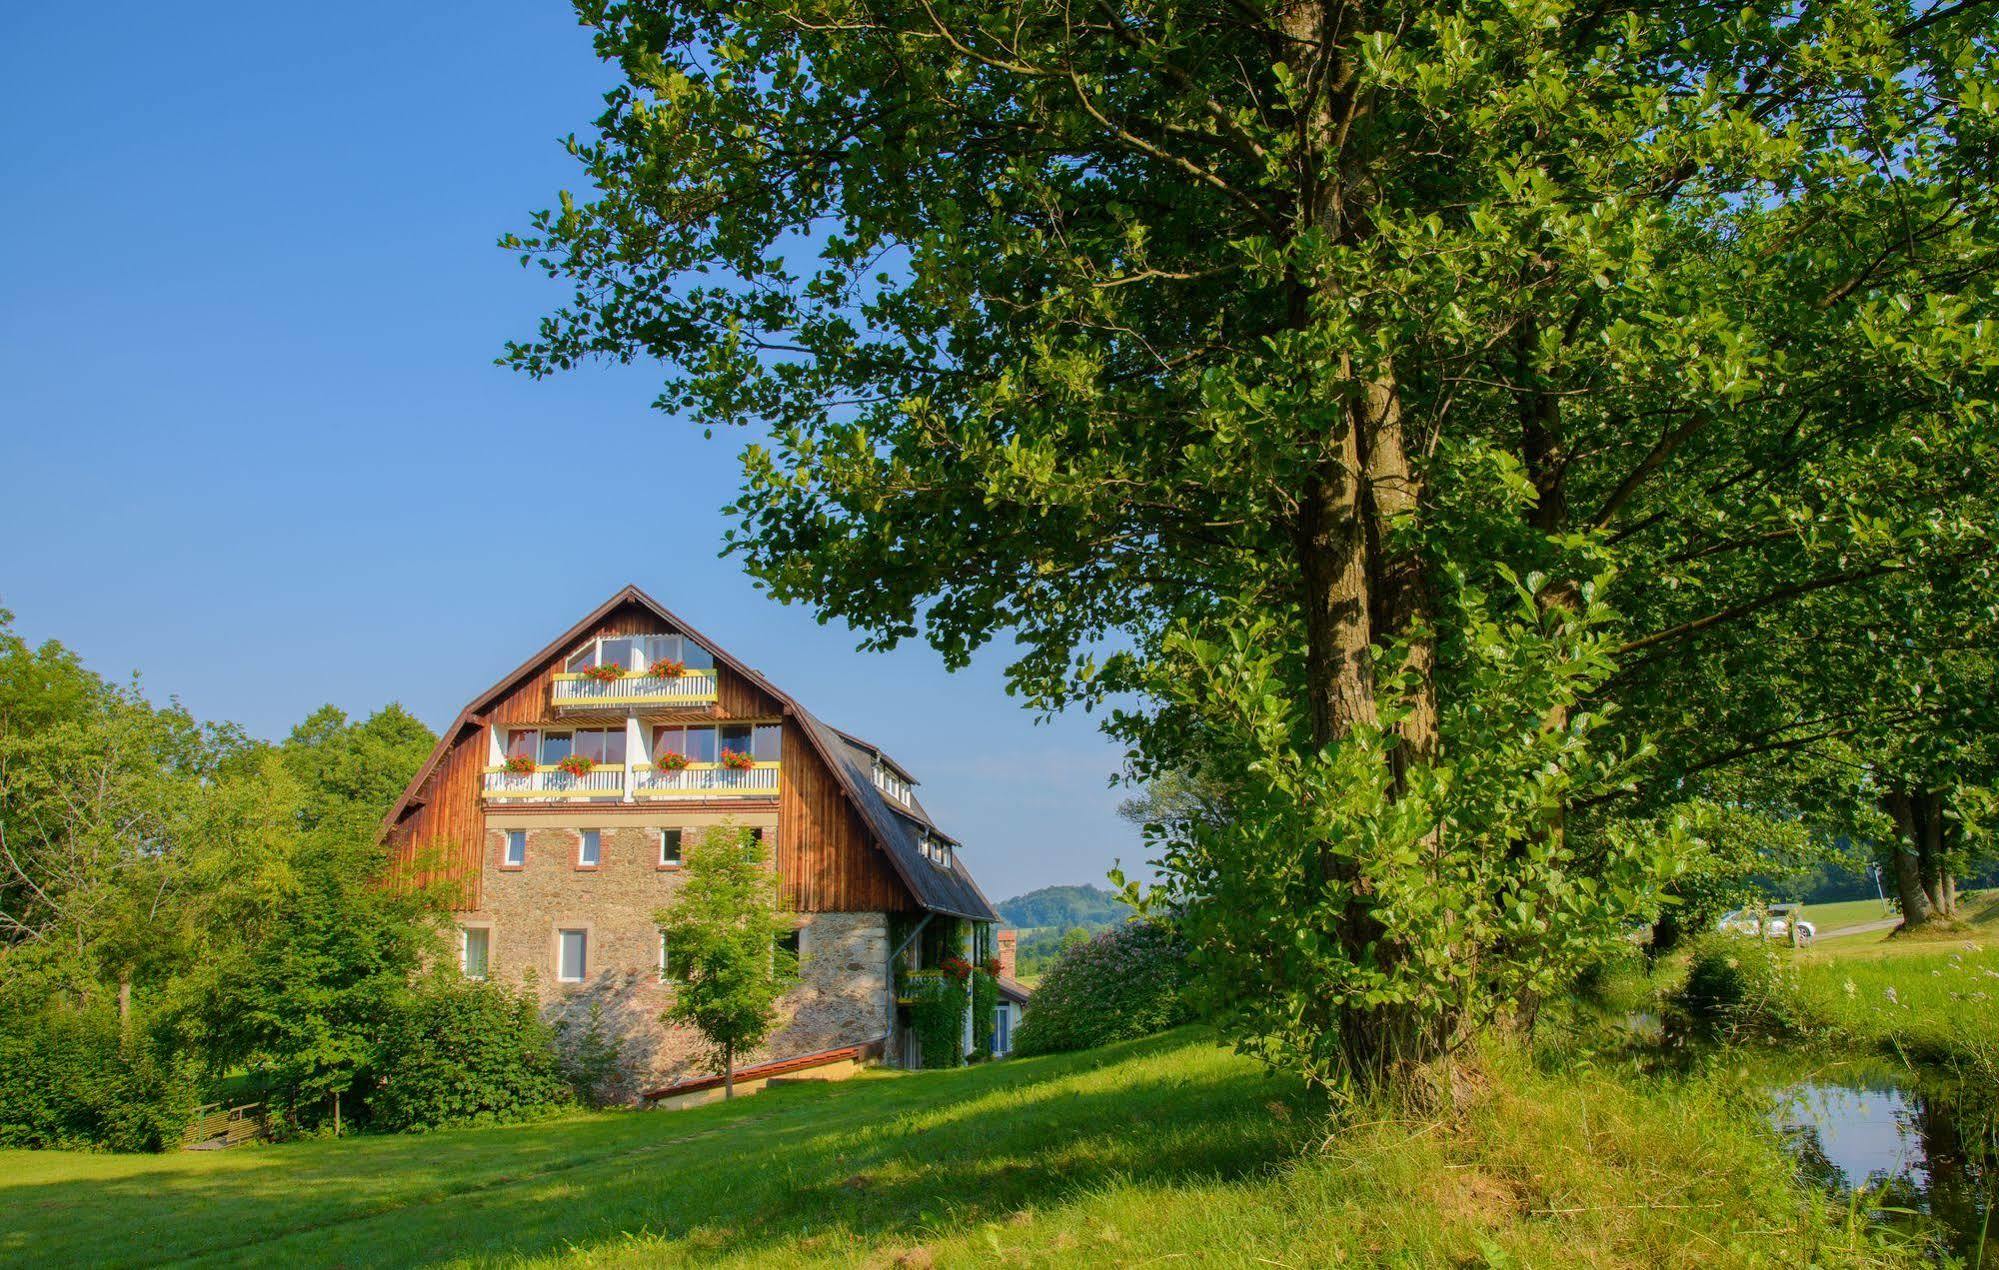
x=728, y=1071
x=1908, y=865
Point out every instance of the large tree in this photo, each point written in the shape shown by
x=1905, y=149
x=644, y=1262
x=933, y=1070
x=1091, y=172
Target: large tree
x=1387, y=390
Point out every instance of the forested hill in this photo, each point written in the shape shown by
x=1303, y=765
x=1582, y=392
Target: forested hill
x=1063, y=907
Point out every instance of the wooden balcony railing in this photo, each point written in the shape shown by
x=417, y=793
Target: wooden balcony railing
x=637, y=688
x=546, y=783
x=708, y=780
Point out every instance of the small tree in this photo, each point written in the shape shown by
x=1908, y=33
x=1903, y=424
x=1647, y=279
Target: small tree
x=721, y=929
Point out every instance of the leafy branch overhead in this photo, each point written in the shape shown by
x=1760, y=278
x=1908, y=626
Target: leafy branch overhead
x=1452, y=421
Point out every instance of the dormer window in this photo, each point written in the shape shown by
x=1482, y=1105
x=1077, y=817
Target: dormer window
x=936, y=850
x=888, y=782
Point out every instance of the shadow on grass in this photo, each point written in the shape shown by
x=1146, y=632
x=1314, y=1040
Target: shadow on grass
x=877, y=1159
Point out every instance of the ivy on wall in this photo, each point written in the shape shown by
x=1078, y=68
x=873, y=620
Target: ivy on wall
x=937, y=1016
x=985, y=1001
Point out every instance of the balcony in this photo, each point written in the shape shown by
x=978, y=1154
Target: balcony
x=575, y=692
x=552, y=784
x=708, y=780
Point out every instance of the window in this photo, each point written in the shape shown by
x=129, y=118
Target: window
x=1002, y=1028
x=734, y=738
x=697, y=744
x=936, y=850
x=573, y=955
x=522, y=743
x=669, y=848
x=474, y=945
x=888, y=782
x=590, y=848
x=766, y=742
x=555, y=746
x=517, y=849
x=601, y=745
x=791, y=941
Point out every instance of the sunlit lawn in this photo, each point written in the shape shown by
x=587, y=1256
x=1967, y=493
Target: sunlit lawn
x=1167, y=1148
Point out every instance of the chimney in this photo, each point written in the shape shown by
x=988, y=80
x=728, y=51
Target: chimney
x=1005, y=940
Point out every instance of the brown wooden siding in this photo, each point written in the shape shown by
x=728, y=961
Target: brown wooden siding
x=825, y=857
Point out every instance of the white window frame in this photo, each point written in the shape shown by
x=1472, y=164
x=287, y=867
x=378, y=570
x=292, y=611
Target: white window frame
x=507, y=856
x=680, y=848
x=465, y=948
x=584, y=838
x=582, y=934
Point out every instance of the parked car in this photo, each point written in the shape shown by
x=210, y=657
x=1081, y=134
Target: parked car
x=1771, y=923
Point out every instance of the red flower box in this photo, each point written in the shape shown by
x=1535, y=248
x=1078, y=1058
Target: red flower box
x=737, y=761
x=991, y=966
x=604, y=674
x=667, y=669
x=957, y=967
x=518, y=765
x=576, y=765
x=671, y=763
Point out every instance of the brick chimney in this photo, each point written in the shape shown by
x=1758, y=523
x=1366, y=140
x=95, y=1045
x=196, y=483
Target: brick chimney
x=1004, y=940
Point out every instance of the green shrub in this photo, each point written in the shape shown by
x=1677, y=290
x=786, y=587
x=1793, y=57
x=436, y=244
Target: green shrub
x=592, y=1065
x=1127, y=982
x=459, y=1052
x=70, y=1077
x=1736, y=985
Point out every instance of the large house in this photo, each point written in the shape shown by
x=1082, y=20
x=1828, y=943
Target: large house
x=559, y=804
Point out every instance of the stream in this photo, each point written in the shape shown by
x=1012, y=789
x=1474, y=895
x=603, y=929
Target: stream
x=1917, y=1151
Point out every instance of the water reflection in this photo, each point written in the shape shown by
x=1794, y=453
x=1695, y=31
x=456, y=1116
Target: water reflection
x=1913, y=1148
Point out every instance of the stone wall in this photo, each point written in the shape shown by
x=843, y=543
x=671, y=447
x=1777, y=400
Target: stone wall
x=844, y=997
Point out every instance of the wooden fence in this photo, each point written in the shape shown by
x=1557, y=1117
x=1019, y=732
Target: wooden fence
x=216, y=1126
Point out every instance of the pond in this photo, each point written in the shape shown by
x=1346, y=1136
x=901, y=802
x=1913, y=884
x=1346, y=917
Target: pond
x=1918, y=1152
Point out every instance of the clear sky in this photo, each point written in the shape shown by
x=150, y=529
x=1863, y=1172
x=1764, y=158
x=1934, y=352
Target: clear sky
x=252, y=442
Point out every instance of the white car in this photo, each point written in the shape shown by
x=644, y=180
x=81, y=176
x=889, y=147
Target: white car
x=1772, y=923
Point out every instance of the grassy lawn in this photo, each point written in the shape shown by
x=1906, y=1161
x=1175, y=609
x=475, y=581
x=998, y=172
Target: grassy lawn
x=1164, y=1148
x=1930, y=1000
x=1830, y=917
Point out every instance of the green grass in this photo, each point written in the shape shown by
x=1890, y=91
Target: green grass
x=1168, y=1148
x=1930, y=1001
x=1830, y=917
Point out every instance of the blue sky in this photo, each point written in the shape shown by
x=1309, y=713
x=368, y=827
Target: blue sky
x=252, y=442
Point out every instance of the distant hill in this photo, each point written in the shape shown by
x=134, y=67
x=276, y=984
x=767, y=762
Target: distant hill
x=1063, y=907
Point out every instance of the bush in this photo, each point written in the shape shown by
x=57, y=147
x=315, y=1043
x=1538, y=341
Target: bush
x=458, y=1052
x=1736, y=985
x=592, y=1063
x=1127, y=982
x=70, y=1078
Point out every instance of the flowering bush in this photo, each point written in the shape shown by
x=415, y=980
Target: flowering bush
x=604, y=674
x=991, y=966
x=667, y=669
x=519, y=765
x=670, y=763
x=576, y=765
x=957, y=967
x=1129, y=981
x=737, y=761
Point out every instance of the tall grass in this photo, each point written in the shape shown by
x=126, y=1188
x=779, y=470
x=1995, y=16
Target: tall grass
x=1939, y=1006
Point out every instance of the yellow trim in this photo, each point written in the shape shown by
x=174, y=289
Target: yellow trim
x=704, y=793
x=570, y=676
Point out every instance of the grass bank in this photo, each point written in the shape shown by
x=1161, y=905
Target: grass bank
x=1930, y=1002
x=1164, y=1148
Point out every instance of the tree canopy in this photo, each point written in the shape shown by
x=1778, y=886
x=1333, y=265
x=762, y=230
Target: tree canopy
x=1442, y=415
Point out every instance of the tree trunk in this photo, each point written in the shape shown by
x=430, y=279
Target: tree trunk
x=125, y=1003
x=1908, y=865
x=728, y=1071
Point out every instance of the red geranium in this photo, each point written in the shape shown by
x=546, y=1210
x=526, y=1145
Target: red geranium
x=519, y=765
x=576, y=765
x=737, y=761
x=604, y=674
x=668, y=669
x=671, y=763
x=991, y=966
x=958, y=968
